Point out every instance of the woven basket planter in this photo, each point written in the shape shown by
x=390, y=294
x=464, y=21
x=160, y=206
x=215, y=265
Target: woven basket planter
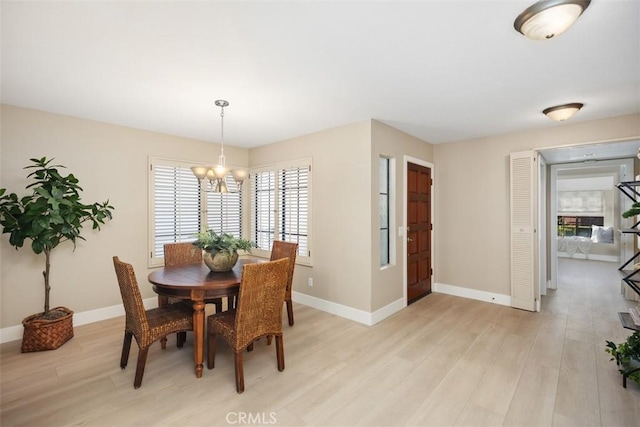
x=40, y=334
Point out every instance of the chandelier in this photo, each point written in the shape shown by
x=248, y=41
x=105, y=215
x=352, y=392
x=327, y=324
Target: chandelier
x=214, y=178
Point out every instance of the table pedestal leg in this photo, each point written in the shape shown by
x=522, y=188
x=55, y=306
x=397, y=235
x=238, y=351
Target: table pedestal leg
x=198, y=336
x=163, y=301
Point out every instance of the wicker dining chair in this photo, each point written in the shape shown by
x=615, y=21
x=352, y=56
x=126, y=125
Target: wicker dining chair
x=258, y=313
x=185, y=253
x=147, y=326
x=289, y=250
x=181, y=253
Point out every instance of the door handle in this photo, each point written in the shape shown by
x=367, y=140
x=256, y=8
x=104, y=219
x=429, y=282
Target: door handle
x=409, y=239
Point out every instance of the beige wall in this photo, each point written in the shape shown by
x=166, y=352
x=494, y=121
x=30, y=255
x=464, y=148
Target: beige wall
x=472, y=198
x=341, y=194
x=345, y=247
x=387, y=283
x=470, y=222
x=111, y=163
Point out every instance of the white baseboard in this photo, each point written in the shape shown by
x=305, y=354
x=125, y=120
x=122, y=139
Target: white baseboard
x=13, y=333
x=350, y=313
x=458, y=291
x=387, y=310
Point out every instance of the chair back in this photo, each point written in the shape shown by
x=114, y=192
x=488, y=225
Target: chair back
x=260, y=301
x=289, y=250
x=181, y=254
x=136, y=316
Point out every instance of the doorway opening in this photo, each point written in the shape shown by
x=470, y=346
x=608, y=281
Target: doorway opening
x=584, y=209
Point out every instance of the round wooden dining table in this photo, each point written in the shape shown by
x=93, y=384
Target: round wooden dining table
x=197, y=283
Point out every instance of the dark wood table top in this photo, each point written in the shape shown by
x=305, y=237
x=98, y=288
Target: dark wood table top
x=180, y=281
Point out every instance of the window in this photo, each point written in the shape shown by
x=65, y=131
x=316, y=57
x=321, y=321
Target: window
x=578, y=225
x=224, y=210
x=179, y=210
x=384, y=211
x=581, y=202
x=281, y=196
x=578, y=211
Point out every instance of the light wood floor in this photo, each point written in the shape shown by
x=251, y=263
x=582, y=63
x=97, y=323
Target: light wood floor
x=443, y=361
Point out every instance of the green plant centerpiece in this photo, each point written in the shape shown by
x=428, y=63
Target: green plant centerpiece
x=627, y=356
x=221, y=250
x=52, y=214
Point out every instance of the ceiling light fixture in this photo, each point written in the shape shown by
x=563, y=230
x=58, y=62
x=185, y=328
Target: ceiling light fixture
x=560, y=113
x=546, y=19
x=217, y=175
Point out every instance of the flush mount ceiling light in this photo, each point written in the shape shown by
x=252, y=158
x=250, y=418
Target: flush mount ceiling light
x=560, y=113
x=546, y=19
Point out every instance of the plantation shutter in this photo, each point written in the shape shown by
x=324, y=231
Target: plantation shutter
x=281, y=206
x=176, y=206
x=264, y=192
x=294, y=212
x=523, y=244
x=224, y=210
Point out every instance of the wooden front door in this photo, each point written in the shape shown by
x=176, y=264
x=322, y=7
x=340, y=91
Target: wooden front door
x=418, y=232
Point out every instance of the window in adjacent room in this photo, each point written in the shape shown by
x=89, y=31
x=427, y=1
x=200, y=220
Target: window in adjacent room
x=579, y=211
x=281, y=207
x=179, y=210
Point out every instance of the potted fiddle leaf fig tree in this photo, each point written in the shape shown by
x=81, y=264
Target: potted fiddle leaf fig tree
x=52, y=213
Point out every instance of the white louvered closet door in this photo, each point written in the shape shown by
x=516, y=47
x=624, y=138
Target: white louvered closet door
x=523, y=240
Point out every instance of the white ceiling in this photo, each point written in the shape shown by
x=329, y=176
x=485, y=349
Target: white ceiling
x=440, y=70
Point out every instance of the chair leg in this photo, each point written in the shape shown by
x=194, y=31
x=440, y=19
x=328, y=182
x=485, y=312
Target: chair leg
x=250, y=347
x=280, y=352
x=239, y=371
x=163, y=343
x=126, y=347
x=269, y=339
x=142, y=360
x=181, y=337
x=290, y=311
x=218, y=304
x=211, y=351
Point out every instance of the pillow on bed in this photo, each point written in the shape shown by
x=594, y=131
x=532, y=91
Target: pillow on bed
x=601, y=234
